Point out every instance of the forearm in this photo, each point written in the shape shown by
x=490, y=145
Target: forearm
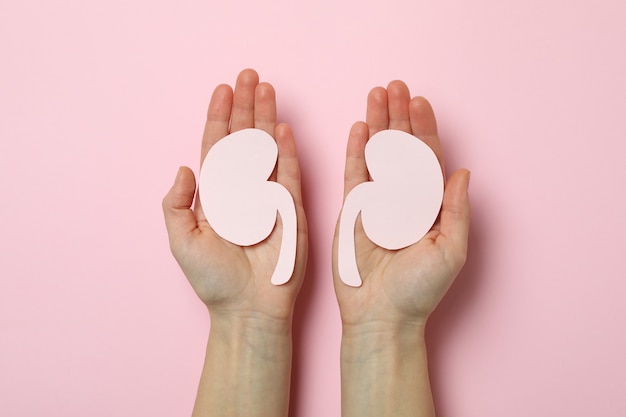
x=247, y=369
x=384, y=372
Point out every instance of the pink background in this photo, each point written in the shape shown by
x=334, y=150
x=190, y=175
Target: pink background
x=100, y=102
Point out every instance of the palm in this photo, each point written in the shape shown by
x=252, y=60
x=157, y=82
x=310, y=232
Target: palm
x=234, y=277
x=406, y=284
x=227, y=277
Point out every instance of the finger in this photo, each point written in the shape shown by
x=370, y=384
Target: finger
x=288, y=174
x=399, y=98
x=243, y=100
x=288, y=167
x=218, y=118
x=424, y=126
x=180, y=220
x=455, y=215
x=356, y=168
x=377, y=114
x=265, y=108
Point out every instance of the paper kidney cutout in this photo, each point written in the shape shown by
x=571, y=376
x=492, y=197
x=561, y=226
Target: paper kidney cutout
x=401, y=203
x=240, y=203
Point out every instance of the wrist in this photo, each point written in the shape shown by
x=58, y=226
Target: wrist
x=376, y=340
x=253, y=335
x=248, y=362
x=389, y=363
x=381, y=331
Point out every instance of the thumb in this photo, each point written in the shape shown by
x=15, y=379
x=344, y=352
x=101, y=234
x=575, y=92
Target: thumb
x=180, y=219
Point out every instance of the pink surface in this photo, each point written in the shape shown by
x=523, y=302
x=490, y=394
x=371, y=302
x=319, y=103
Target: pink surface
x=100, y=102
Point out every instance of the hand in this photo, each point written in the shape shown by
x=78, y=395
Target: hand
x=233, y=280
x=404, y=286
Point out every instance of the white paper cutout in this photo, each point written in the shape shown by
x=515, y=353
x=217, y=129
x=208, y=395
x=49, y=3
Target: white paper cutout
x=401, y=203
x=240, y=203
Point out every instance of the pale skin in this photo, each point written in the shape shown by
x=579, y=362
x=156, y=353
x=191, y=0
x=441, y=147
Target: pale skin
x=248, y=360
x=384, y=369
